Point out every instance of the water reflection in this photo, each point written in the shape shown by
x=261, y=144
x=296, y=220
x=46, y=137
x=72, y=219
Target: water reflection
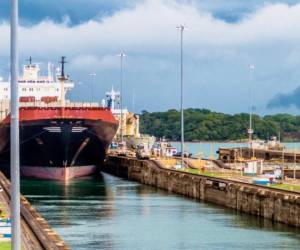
x=111, y=213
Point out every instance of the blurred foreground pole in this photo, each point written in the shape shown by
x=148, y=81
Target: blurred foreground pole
x=14, y=130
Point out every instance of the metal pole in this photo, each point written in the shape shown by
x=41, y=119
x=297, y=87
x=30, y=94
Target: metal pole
x=121, y=97
x=283, y=164
x=182, y=115
x=14, y=133
x=181, y=28
x=93, y=75
x=121, y=55
x=251, y=68
x=295, y=164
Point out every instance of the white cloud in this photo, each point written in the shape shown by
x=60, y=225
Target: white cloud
x=147, y=33
x=92, y=62
x=151, y=25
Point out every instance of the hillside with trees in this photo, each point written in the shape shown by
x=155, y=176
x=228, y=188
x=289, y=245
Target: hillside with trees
x=206, y=125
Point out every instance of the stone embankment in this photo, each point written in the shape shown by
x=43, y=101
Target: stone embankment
x=277, y=205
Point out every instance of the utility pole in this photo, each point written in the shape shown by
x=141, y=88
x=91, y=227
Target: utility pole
x=250, y=130
x=93, y=75
x=121, y=55
x=181, y=28
x=14, y=134
x=282, y=164
x=295, y=160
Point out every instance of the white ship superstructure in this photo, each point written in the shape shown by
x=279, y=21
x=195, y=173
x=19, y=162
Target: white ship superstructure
x=130, y=123
x=35, y=87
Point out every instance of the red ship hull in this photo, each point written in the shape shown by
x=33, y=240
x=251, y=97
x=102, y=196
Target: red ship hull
x=60, y=143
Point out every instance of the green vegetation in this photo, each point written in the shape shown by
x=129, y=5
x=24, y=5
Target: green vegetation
x=289, y=187
x=206, y=173
x=205, y=125
x=5, y=245
x=283, y=186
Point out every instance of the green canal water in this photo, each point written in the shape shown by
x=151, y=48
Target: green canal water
x=112, y=213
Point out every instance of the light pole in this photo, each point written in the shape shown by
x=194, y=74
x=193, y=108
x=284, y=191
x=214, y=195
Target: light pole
x=181, y=28
x=121, y=55
x=295, y=160
x=250, y=130
x=14, y=135
x=93, y=76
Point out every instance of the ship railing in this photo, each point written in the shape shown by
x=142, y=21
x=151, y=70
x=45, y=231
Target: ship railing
x=5, y=105
x=58, y=104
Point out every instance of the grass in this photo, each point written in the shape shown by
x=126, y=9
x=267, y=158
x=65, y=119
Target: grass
x=284, y=186
x=5, y=245
x=206, y=173
x=289, y=187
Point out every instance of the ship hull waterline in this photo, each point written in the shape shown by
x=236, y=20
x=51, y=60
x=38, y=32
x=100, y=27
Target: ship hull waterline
x=59, y=149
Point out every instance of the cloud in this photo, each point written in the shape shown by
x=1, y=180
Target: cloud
x=91, y=62
x=151, y=25
x=285, y=100
x=216, y=51
x=32, y=11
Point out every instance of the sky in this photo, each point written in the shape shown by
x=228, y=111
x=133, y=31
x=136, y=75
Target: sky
x=222, y=38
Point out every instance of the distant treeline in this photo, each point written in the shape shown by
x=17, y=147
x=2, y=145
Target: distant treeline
x=205, y=125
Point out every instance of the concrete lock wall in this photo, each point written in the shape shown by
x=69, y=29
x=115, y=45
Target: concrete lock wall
x=280, y=206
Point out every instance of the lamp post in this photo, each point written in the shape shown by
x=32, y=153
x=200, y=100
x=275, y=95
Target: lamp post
x=181, y=29
x=93, y=76
x=14, y=135
x=251, y=68
x=295, y=160
x=121, y=55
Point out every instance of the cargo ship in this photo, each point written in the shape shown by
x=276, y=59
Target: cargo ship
x=59, y=140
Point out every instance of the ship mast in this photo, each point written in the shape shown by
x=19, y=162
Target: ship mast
x=29, y=60
x=62, y=79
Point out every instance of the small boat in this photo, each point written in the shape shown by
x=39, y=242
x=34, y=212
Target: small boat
x=260, y=181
